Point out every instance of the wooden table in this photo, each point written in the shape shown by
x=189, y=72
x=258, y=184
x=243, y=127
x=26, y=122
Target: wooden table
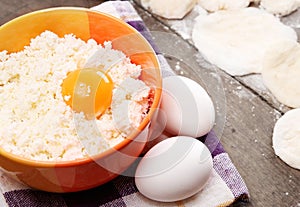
x=246, y=111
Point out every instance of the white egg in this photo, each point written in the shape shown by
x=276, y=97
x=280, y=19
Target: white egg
x=174, y=169
x=186, y=107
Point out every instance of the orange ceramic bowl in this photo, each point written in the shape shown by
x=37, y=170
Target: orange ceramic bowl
x=82, y=174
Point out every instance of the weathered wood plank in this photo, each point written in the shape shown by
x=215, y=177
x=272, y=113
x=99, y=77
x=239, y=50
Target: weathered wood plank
x=183, y=27
x=13, y=8
x=251, y=113
x=245, y=121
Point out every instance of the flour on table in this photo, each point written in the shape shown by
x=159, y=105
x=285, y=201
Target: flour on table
x=286, y=138
x=215, y=5
x=170, y=9
x=184, y=26
x=236, y=40
x=281, y=8
x=292, y=20
x=281, y=72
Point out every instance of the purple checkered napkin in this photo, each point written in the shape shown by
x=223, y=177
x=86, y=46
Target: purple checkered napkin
x=223, y=188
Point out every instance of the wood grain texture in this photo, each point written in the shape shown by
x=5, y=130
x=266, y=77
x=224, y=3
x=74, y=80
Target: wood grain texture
x=246, y=111
x=251, y=112
x=13, y=8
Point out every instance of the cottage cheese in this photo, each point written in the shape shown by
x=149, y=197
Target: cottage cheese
x=37, y=124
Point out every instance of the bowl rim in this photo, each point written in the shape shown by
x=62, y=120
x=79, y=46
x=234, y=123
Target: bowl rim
x=145, y=122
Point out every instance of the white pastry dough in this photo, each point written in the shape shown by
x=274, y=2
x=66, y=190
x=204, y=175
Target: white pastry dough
x=280, y=7
x=281, y=72
x=215, y=5
x=286, y=138
x=170, y=9
x=236, y=40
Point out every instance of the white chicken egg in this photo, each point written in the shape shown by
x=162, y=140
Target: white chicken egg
x=174, y=169
x=186, y=107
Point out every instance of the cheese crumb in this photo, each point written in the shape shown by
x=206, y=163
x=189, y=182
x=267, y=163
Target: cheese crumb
x=37, y=124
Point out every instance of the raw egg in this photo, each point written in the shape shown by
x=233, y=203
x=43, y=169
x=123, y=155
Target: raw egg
x=88, y=90
x=186, y=108
x=174, y=169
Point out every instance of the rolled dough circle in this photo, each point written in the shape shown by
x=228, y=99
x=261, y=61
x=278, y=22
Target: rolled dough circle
x=236, y=40
x=286, y=138
x=170, y=9
x=281, y=72
x=280, y=8
x=215, y=5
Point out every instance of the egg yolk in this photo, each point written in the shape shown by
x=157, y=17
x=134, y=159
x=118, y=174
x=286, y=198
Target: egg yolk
x=88, y=90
